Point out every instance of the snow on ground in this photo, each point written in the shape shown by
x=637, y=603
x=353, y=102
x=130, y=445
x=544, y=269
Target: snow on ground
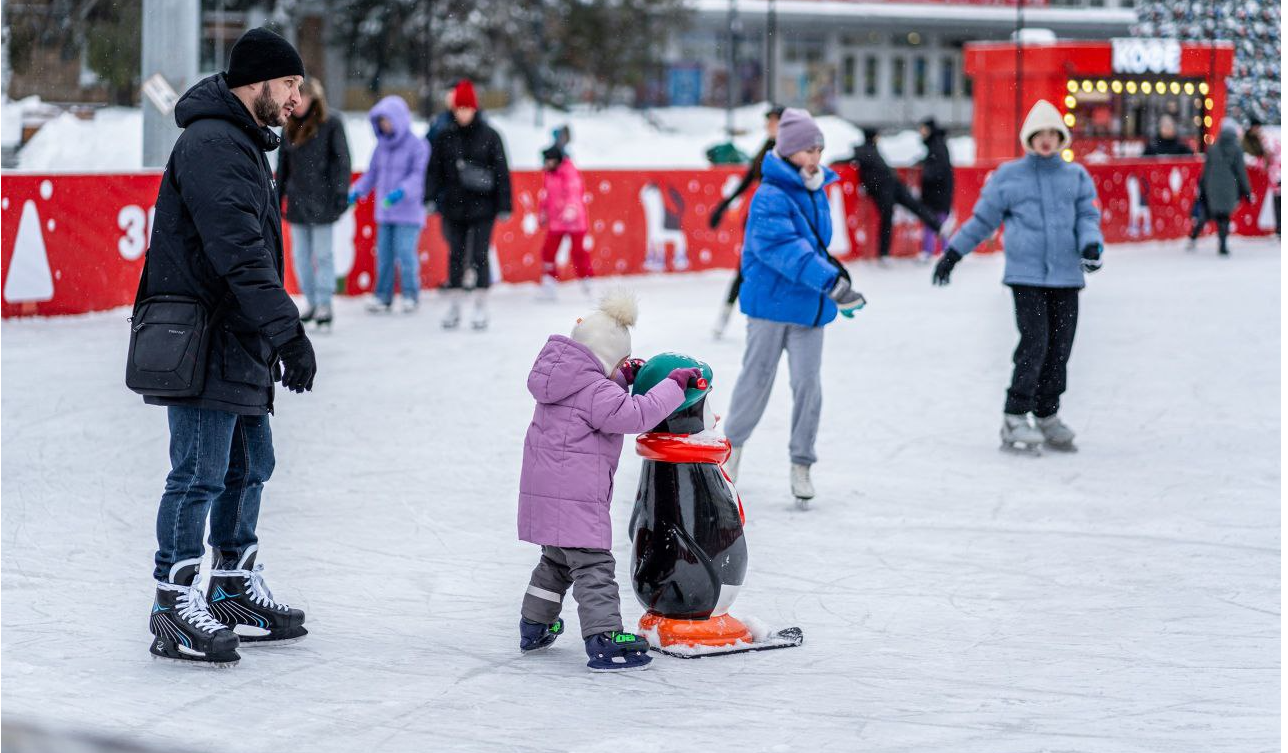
x=1125, y=598
x=615, y=137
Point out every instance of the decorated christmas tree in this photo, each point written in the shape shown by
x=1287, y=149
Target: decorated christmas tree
x=1251, y=25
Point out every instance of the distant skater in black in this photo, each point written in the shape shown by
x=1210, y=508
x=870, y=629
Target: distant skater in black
x=749, y=182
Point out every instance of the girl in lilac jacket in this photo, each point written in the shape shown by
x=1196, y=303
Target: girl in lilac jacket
x=570, y=454
x=397, y=175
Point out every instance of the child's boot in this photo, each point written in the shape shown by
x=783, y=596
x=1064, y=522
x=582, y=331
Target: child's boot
x=617, y=652
x=538, y=635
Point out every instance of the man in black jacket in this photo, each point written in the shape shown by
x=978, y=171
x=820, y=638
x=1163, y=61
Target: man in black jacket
x=883, y=187
x=468, y=182
x=936, y=184
x=216, y=237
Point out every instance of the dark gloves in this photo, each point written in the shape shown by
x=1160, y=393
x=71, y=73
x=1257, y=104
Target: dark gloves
x=944, y=269
x=1091, y=257
x=631, y=368
x=1245, y=197
x=686, y=378
x=847, y=299
x=717, y=215
x=300, y=364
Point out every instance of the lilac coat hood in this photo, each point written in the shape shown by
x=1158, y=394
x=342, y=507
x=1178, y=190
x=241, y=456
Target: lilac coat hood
x=399, y=161
x=574, y=443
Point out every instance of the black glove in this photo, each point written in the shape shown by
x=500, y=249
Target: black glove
x=300, y=363
x=944, y=269
x=1091, y=257
x=1245, y=197
x=847, y=299
x=717, y=215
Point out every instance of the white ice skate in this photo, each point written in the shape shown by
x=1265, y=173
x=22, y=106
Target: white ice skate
x=377, y=306
x=1056, y=435
x=546, y=293
x=452, y=319
x=802, y=487
x=479, y=320
x=409, y=306
x=1020, y=436
x=731, y=465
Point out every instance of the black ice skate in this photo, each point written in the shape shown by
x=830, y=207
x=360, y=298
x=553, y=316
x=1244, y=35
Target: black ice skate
x=240, y=599
x=617, y=652
x=183, y=629
x=534, y=636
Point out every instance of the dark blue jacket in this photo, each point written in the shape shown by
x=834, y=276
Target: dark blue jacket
x=786, y=273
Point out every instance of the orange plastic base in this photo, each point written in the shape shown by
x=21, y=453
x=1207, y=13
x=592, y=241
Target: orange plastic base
x=717, y=631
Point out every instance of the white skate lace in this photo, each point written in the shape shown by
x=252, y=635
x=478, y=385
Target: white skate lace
x=193, y=608
x=258, y=591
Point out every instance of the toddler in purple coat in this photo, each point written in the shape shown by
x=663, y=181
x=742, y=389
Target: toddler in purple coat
x=570, y=454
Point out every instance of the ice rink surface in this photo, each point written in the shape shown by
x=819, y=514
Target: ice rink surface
x=953, y=598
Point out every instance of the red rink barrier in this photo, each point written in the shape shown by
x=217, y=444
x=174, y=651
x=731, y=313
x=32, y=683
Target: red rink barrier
x=71, y=244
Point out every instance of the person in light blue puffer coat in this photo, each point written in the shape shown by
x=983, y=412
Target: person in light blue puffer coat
x=1052, y=237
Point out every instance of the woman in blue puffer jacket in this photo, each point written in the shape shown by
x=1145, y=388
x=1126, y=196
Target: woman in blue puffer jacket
x=1052, y=237
x=791, y=289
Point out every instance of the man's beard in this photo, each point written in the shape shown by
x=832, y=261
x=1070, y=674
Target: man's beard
x=267, y=109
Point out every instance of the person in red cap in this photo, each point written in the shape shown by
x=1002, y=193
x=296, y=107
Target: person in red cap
x=468, y=183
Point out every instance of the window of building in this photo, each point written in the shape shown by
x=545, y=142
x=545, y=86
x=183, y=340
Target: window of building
x=919, y=76
x=898, y=76
x=871, y=71
x=947, y=77
x=849, y=72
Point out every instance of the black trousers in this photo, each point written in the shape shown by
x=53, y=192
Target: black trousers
x=1047, y=319
x=1222, y=226
x=735, y=287
x=467, y=244
x=902, y=197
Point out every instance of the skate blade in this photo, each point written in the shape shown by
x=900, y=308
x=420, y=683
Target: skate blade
x=197, y=664
x=1070, y=447
x=1032, y=451
x=251, y=643
x=802, y=503
x=620, y=668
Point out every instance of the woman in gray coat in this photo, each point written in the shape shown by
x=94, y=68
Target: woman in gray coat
x=1223, y=185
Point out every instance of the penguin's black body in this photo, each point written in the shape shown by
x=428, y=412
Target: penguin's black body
x=686, y=531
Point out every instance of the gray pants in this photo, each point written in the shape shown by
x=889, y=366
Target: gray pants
x=591, y=573
x=766, y=342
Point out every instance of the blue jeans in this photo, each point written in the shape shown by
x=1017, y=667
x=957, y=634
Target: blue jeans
x=314, y=262
x=219, y=462
x=397, y=243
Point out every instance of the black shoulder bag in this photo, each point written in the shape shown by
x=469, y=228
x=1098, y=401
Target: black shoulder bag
x=170, y=341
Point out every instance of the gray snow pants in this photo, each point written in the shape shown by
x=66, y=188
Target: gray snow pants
x=766, y=341
x=591, y=573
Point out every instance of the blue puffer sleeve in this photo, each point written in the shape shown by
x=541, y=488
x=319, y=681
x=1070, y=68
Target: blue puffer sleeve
x=987, y=216
x=1088, y=214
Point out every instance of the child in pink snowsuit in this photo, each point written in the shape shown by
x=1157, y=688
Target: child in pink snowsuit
x=570, y=454
x=563, y=212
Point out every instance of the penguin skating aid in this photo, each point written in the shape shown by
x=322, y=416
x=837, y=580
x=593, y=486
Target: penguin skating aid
x=689, y=555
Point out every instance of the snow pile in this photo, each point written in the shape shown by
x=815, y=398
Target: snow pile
x=615, y=137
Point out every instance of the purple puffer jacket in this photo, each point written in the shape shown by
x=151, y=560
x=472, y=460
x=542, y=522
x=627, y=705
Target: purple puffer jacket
x=574, y=442
x=398, y=162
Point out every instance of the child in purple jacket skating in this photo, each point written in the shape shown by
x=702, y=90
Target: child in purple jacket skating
x=570, y=454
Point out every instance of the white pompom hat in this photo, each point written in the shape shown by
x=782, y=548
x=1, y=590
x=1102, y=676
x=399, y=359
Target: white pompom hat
x=606, y=330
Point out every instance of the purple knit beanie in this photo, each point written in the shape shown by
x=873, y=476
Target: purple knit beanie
x=797, y=132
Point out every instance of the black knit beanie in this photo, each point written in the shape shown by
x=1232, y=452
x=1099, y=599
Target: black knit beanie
x=260, y=55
